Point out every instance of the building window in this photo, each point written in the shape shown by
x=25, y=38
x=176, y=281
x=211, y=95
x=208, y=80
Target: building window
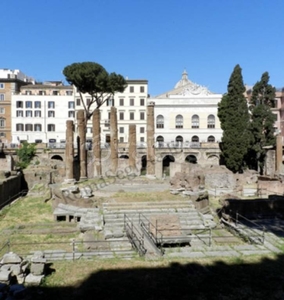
x=195, y=139
x=121, y=139
x=121, y=102
x=19, y=113
x=211, y=139
x=110, y=102
x=51, y=113
x=2, y=134
x=160, y=139
x=179, y=121
x=37, y=127
x=142, y=115
x=69, y=93
x=19, y=104
x=131, y=116
x=88, y=101
x=2, y=110
x=51, y=104
x=19, y=127
x=195, y=121
x=131, y=102
x=121, y=116
x=29, y=113
x=160, y=121
x=71, y=114
x=142, y=139
x=179, y=139
x=50, y=127
x=71, y=105
x=142, y=89
x=131, y=89
x=142, y=129
x=42, y=93
x=2, y=85
x=2, y=122
x=211, y=121
x=55, y=93
x=2, y=97
x=142, y=102
x=29, y=127
x=37, y=113
x=78, y=101
x=121, y=129
x=37, y=104
x=29, y=104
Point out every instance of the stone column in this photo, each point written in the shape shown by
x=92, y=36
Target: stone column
x=97, y=143
x=279, y=154
x=113, y=140
x=69, y=151
x=81, y=123
x=150, y=139
x=132, y=146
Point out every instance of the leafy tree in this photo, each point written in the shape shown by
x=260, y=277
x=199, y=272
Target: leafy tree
x=92, y=78
x=234, y=117
x=25, y=154
x=262, y=121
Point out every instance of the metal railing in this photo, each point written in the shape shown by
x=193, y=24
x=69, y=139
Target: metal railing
x=132, y=232
x=246, y=229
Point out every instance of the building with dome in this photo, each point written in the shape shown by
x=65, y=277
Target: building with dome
x=186, y=116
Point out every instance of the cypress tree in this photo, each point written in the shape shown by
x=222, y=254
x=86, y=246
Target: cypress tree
x=234, y=118
x=262, y=121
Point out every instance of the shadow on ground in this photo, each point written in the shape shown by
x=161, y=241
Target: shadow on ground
x=238, y=280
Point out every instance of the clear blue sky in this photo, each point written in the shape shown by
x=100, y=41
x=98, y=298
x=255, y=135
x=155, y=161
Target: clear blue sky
x=146, y=39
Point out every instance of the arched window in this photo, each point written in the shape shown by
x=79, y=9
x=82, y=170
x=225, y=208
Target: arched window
x=160, y=121
x=195, y=121
x=160, y=141
x=160, y=138
x=211, y=139
x=211, y=121
x=179, y=138
x=179, y=121
x=195, y=139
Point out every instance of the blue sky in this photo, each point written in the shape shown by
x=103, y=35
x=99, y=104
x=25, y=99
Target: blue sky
x=146, y=39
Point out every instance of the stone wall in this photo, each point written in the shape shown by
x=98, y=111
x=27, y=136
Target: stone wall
x=10, y=187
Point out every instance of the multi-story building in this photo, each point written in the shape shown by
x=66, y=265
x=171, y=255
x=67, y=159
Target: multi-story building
x=40, y=111
x=10, y=83
x=186, y=115
x=131, y=109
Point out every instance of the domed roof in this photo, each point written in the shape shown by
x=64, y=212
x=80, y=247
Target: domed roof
x=184, y=80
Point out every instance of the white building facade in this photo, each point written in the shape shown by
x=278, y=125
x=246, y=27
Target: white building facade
x=131, y=109
x=39, y=113
x=186, y=116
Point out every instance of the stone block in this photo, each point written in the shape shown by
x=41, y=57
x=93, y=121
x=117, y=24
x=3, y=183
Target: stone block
x=5, y=276
x=33, y=280
x=37, y=269
x=11, y=258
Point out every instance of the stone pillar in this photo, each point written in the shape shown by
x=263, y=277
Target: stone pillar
x=279, y=154
x=69, y=151
x=132, y=146
x=113, y=140
x=97, y=143
x=81, y=123
x=150, y=139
